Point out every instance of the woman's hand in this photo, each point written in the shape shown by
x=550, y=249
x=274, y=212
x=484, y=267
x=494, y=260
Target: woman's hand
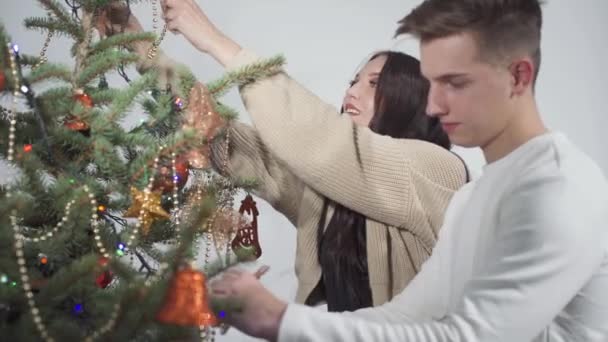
x=117, y=18
x=185, y=17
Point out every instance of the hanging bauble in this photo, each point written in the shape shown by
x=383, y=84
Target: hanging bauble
x=186, y=301
x=83, y=98
x=105, y=277
x=2, y=81
x=76, y=124
x=164, y=177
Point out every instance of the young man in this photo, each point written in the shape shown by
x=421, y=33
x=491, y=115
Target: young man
x=523, y=252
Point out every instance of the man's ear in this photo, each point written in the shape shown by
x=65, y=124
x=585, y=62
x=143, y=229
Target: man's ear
x=522, y=75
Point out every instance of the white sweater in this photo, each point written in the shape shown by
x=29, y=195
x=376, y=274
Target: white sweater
x=522, y=256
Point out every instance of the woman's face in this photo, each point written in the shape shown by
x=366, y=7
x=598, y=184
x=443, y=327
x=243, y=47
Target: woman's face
x=359, y=98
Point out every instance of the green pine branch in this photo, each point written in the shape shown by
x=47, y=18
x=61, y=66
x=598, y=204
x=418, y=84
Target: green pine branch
x=138, y=139
x=56, y=94
x=163, y=119
x=120, y=40
x=187, y=81
x=182, y=141
x=29, y=60
x=107, y=158
x=100, y=63
x=65, y=278
x=158, y=110
x=30, y=180
x=140, y=165
x=4, y=40
x=141, y=325
x=55, y=25
x=126, y=97
x=153, y=252
x=26, y=126
x=59, y=11
x=197, y=215
x=146, y=247
x=124, y=272
x=247, y=74
x=247, y=184
x=55, y=103
x=92, y=5
x=218, y=266
x=50, y=71
x=226, y=112
x=17, y=201
x=72, y=146
x=104, y=96
x=4, y=58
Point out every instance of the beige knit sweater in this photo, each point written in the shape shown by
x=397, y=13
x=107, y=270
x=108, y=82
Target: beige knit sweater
x=301, y=150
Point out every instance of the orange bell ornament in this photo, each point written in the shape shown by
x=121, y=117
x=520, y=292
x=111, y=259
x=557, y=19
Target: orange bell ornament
x=186, y=301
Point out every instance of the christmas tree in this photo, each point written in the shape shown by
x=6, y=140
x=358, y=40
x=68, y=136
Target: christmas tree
x=89, y=199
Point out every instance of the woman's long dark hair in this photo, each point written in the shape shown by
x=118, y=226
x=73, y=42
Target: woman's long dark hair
x=400, y=104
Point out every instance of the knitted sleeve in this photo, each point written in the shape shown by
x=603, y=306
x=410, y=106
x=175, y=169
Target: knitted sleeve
x=250, y=158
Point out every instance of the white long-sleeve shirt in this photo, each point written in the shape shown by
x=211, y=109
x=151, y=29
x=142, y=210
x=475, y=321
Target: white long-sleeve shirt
x=522, y=256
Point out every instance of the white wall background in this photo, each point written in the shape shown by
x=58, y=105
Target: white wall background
x=324, y=41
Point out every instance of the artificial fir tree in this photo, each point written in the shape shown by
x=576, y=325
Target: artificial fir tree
x=90, y=198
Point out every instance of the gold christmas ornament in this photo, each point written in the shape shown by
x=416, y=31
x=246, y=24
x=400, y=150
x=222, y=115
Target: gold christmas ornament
x=152, y=209
x=186, y=301
x=201, y=116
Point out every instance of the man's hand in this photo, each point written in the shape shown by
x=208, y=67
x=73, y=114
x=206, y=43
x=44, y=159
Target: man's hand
x=261, y=311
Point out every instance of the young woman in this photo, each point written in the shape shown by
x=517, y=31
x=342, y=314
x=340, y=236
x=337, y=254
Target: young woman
x=367, y=203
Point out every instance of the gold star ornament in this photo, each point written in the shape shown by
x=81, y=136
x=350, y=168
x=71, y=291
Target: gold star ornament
x=152, y=210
